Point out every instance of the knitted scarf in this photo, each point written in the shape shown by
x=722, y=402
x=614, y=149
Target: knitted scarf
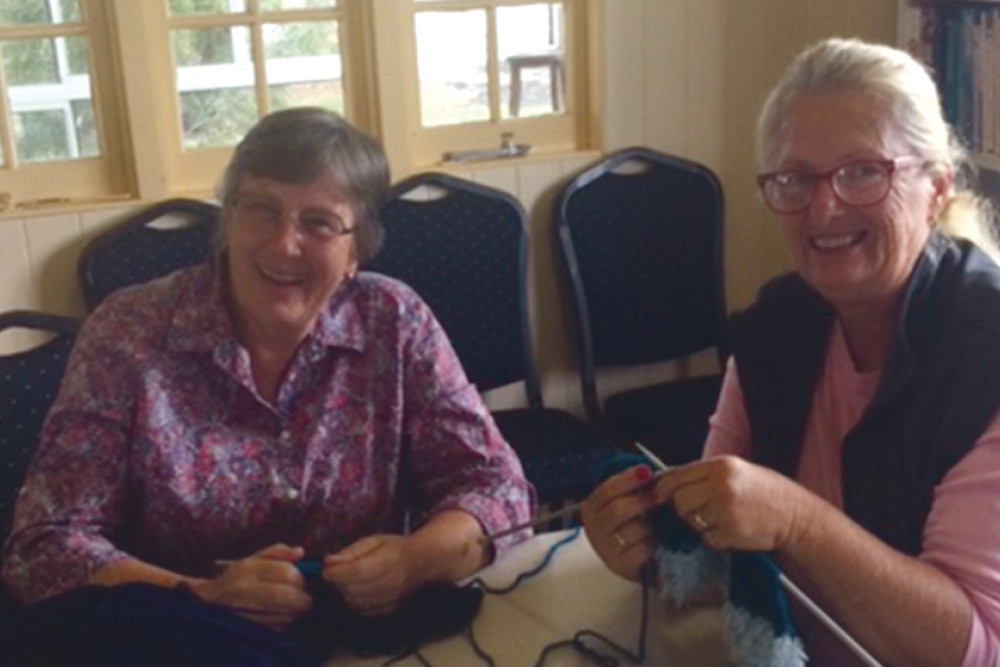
x=756, y=622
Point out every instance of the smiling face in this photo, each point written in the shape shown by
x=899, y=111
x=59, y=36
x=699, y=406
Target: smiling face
x=854, y=255
x=285, y=256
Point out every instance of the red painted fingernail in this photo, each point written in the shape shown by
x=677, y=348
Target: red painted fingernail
x=643, y=473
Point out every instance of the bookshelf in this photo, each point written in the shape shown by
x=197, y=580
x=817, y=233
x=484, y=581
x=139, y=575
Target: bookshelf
x=960, y=41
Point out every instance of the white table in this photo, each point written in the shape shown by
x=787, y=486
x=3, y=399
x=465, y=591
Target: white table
x=575, y=592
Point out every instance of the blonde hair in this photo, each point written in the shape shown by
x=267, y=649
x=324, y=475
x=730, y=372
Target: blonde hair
x=915, y=107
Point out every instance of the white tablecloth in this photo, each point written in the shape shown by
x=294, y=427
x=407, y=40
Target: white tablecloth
x=575, y=592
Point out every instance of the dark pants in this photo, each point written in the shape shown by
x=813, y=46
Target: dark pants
x=138, y=624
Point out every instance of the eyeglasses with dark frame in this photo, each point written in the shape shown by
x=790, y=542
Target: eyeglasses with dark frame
x=261, y=214
x=857, y=183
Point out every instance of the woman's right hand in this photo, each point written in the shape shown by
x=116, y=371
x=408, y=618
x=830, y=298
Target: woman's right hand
x=265, y=587
x=614, y=518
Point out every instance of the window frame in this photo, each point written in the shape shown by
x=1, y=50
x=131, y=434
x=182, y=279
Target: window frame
x=195, y=170
x=411, y=144
x=106, y=176
x=142, y=156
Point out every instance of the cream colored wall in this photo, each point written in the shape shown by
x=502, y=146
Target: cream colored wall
x=682, y=76
x=762, y=36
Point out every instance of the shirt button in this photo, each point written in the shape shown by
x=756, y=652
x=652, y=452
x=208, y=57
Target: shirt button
x=286, y=436
x=291, y=494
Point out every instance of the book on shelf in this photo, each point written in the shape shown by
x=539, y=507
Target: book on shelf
x=960, y=42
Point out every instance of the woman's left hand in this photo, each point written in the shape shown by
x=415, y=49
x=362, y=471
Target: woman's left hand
x=374, y=574
x=736, y=504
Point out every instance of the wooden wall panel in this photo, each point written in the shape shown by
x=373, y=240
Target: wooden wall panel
x=16, y=288
x=705, y=89
x=666, y=77
x=625, y=73
x=54, y=244
x=874, y=21
x=537, y=187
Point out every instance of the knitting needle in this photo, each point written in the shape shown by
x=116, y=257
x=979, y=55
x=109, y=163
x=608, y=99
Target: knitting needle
x=558, y=514
x=831, y=624
x=537, y=521
x=796, y=592
x=653, y=458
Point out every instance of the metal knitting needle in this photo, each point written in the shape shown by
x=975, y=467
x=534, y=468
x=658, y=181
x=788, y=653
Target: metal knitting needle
x=537, y=521
x=797, y=592
x=558, y=514
x=653, y=458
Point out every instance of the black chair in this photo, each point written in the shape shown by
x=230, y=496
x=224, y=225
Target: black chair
x=29, y=381
x=141, y=249
x=640, y=237
x=465, y=253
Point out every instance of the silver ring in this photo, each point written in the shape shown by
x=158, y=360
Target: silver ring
x=620, y=541
x=699, y=522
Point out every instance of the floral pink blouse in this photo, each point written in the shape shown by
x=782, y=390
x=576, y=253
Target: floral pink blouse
x=159, y=446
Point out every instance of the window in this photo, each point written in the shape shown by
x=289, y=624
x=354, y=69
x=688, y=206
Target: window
x=457, y=83
x=112, y=98
x=49, y=121
x=474, y=70
x=234, y=61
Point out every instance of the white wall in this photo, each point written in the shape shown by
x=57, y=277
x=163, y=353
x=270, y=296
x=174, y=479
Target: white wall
x=681, y=76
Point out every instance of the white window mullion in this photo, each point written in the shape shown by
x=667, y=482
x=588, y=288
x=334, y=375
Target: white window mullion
x=72, y=145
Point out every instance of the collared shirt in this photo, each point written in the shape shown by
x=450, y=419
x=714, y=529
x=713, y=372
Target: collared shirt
x=160, y=447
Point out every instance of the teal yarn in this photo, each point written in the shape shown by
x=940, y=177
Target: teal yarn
x=756, y=622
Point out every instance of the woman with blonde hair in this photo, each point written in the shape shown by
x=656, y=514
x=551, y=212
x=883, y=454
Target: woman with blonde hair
x=857, y=435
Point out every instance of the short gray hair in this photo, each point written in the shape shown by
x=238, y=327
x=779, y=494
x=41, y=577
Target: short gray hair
x=915, y=108
x=300, y=144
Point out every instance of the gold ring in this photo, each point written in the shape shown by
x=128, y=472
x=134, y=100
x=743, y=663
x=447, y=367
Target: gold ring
x=699, y=522
x=620, y=541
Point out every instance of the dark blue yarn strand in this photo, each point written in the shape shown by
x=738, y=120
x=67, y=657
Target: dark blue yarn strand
x=577, y=641
x=637, y=657
x=478, y=582
x=524, y=576
x=480, y=653
x=415, y=653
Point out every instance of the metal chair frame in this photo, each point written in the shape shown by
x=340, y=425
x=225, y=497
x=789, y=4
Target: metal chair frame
x=559, y=468
x=586, y=352
x=88, y=269
x=63, y=327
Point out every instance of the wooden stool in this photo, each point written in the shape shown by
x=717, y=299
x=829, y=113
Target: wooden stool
x=557, y=77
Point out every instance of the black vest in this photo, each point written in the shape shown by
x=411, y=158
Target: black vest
x=939, y=389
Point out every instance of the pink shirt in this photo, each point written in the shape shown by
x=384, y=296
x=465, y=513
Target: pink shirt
x=960, y=537
x=159, y=445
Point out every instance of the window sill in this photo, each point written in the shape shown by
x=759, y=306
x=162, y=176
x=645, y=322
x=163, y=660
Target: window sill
x=533, y=158
x=62, y=206
x=39, y=208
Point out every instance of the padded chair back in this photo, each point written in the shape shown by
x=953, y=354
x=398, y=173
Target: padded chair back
x=142, y=248
x=29, y=381
x=640, y=235
x=463, y=248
